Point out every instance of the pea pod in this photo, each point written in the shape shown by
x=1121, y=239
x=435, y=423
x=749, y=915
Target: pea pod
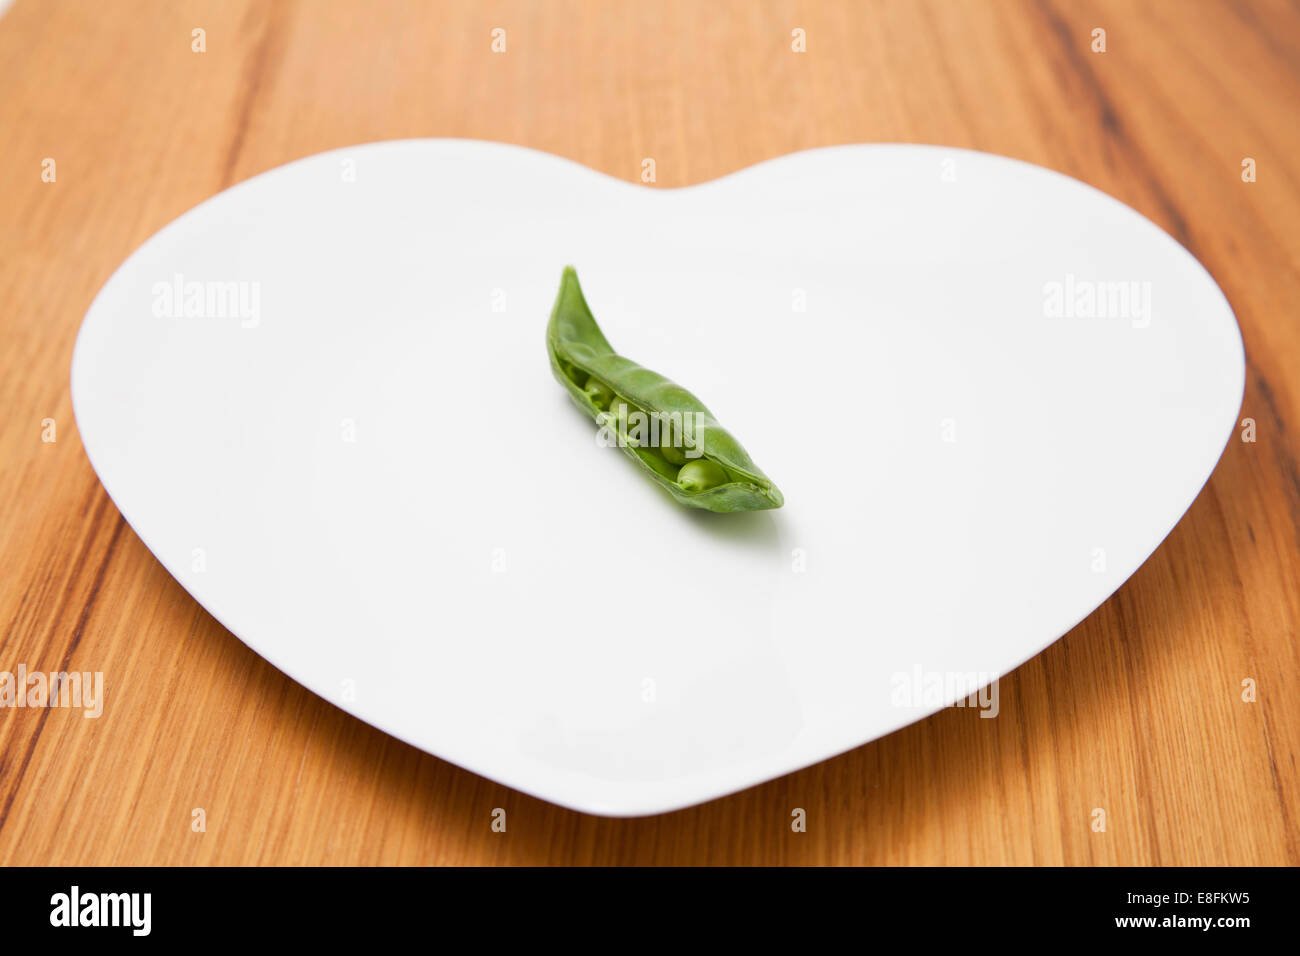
x=685, y=451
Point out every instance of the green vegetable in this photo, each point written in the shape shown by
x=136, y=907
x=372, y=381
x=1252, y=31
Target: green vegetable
x=622, y=410
x=599, y=393
x=673, y=453
x=685, y=450
x=701, y=475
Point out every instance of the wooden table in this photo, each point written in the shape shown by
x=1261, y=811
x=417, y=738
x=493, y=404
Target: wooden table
x=1138, y=711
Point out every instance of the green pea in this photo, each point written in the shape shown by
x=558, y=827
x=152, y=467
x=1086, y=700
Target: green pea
x=700, y=475
x=574, y=341
x=599, y=393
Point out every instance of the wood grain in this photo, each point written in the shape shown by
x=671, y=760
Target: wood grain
x=1137, y=711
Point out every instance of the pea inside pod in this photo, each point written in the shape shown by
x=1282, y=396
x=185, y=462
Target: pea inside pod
x=599, y=393
x=660, y=425
x=701, y=475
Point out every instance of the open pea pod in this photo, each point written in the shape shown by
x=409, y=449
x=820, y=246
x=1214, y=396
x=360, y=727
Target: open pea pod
x=661, y=426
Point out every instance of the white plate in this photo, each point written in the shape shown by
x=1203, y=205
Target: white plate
x=364, y=469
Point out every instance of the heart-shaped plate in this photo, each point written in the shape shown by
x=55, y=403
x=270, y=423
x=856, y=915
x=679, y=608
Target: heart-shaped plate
x=322, y=399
